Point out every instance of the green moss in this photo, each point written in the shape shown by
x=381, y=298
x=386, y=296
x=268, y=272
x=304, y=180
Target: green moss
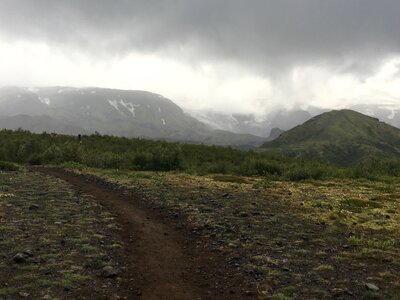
x=7, y=291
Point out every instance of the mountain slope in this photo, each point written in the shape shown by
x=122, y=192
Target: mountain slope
x=343, y=137
x=108, y=111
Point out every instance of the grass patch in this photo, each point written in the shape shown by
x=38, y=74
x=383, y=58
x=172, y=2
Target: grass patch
x=371, y=244
x=230, y=178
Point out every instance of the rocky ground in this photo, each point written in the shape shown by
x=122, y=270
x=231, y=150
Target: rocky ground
x=55, y=243
x=309, y=240
x=141, y=235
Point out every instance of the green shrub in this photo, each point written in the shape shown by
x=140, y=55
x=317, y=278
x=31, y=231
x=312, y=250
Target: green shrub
x=263, y=167
x=7, y=166
x=53, y=154
x=316, y=171
x=35, y=159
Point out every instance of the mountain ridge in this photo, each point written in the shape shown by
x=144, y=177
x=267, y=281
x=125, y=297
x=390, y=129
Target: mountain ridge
x=343, y=137
x=110, y=111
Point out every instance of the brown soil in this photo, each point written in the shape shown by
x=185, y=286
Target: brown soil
x=161, y=259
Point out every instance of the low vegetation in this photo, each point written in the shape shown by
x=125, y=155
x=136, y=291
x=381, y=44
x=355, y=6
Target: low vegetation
x=299, y=229
x=295, y=240
x=54, y=243
x=107, y=152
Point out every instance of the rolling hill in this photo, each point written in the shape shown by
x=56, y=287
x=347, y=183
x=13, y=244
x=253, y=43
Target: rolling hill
x=342, y=137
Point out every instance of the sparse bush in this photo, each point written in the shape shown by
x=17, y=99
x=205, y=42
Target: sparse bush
x=53, y=154
x=297, y=174
x=263, y=167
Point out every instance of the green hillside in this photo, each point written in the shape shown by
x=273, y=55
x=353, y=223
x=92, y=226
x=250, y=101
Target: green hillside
x=342, y=137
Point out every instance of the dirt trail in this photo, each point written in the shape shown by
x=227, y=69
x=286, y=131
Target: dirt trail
x=160, y=261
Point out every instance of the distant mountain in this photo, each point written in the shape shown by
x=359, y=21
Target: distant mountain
x=108, y=111
x=39, y=124
x=285, y=119
x=258, y=125
x=275, y=133
x=239, y=123
x=341, y=136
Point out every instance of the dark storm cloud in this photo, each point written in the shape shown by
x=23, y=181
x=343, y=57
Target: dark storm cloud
x=350, y=34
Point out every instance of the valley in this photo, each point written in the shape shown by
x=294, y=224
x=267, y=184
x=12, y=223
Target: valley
x=199, y=150
x=312, y=214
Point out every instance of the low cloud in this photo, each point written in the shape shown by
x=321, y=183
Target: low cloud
x=272, y=40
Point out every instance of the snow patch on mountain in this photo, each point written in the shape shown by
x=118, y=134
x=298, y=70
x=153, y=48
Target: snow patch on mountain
x=46, y=101
x=114, y=104
x=129, y=106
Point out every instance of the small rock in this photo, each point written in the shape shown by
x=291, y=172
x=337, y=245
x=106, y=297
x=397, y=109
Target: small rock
x=250, y=293
x=28, y=253
x=19, y=258
x=34, y=207
x=24, y=294
x=46, y=297
x=109, y=272
x=243, y=214
x=226, y=195
x=371, y=287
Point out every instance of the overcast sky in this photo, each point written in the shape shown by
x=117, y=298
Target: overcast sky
x=226, y=55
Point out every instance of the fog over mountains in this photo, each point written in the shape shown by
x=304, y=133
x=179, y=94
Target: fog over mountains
x=108, y=111
x=289, y=118
x=143, y=114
